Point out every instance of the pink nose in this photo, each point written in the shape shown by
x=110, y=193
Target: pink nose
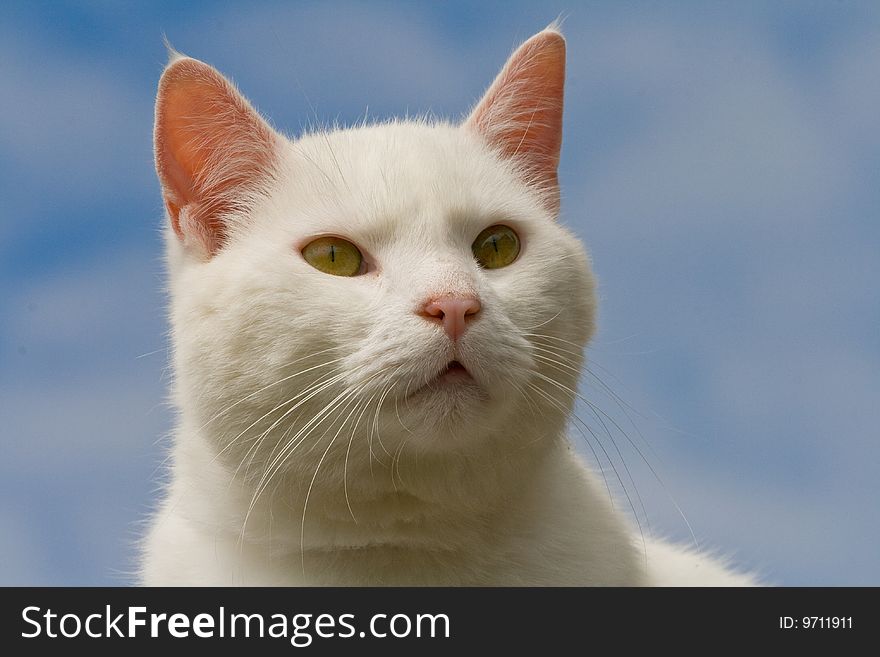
x=453, y=312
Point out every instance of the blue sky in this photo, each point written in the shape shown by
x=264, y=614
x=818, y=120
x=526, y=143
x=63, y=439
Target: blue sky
x=721, y=161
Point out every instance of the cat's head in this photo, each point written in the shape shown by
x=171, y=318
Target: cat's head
x=356, y=292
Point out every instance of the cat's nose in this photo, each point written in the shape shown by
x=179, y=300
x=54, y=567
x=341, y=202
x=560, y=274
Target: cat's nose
x=453, y=312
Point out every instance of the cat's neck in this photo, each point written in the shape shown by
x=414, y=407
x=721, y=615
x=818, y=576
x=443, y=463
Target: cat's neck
x=418, y=502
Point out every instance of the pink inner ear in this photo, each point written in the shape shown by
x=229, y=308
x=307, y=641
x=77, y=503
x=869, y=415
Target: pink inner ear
x=521, y=113
x=211, y=147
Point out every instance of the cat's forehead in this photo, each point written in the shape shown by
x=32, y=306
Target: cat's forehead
x=401, y=175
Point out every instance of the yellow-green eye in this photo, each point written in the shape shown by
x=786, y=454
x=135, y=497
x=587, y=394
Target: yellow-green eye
x=495, y=247
x=333, y=255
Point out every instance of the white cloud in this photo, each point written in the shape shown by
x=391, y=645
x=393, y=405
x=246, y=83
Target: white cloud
x=793, y=536
x=84, y=422
x=24, y=559
x=288, y=57
x=854, y=90
x=724, y=138
x=82, y=393
x=117, y=300
x=73, y=129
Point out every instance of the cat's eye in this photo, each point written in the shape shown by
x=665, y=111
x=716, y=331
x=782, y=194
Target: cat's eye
x=495, y=247
x=334, y=255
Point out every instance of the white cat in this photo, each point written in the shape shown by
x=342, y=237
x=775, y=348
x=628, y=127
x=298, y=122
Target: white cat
x=376, y=334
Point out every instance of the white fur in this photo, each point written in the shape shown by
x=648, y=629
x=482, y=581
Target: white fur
x=472, y=485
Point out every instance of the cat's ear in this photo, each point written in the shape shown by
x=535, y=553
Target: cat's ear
x=521, y=113
x=213, y=151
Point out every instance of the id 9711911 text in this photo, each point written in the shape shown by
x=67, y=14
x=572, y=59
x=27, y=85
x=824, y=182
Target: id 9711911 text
x=815, y=623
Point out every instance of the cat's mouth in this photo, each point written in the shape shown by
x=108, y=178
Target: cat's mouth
x=452, y=375
x=453, y=372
